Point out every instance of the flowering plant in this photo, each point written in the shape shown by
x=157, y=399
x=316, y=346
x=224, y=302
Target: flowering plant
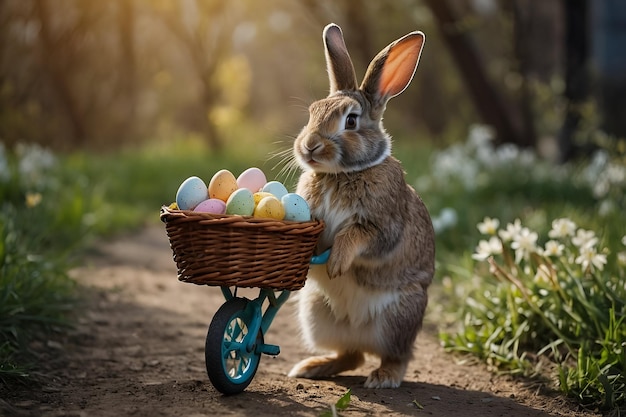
x=561, y=302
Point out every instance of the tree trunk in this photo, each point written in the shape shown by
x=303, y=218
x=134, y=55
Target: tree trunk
x=489, y=103
x=576, y=73
x=609, y=40
x=60, y=82
x=204, y=59
x=523, y=52
x=126, y=22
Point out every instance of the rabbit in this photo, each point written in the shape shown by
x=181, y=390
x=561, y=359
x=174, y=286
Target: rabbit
x=371, y=296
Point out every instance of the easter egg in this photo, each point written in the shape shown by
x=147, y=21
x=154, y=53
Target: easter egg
x=212, y=205
x=252, y=178
x=260, y=195
x=191, y=192
x=296, y=208
x=222, y=185
x=271, y=208
x=276, y=188
x=240, y=202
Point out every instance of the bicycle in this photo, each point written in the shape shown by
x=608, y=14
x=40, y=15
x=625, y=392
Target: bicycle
x=235, y=339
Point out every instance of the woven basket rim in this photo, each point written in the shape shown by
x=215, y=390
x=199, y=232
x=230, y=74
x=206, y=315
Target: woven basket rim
x=168, y=214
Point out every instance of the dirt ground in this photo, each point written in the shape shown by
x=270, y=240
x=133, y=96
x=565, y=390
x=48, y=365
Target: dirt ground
x=138, y=350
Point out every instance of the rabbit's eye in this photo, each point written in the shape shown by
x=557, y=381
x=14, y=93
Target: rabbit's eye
x=351, y=121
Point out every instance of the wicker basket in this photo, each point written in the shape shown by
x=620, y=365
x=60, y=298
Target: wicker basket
x=226, y=250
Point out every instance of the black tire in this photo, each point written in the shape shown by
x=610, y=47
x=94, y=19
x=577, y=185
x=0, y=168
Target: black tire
x=230, y=371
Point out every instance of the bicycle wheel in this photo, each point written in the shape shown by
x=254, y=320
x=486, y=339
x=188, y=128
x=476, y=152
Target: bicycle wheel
x=229, y=366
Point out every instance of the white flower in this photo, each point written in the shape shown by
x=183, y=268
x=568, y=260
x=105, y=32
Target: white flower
x=487, y=248
x=446, y=219
x=616, y=173
x=585, y=238
x=553, y=248
x=601, y=187
x=524, y=243
x=527, y=158
x=596, y=166
x=621, y=258
x=624, y=240
x=507, y=154
x=589, y=259
x=34, y=161
x=607, y=207
x=448, y=216
x=34, y=158
x=543, y=275
x=489, y=226
x=485, y=155
x=512, y=230
x=562, y=228
x=480, y=136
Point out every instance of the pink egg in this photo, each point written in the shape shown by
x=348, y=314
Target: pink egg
x=252, y=178
x=212, y=205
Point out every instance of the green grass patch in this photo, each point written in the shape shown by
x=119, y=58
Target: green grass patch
x=41, y=221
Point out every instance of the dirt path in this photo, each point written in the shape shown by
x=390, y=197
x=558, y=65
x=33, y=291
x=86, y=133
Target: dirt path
x=139, y=351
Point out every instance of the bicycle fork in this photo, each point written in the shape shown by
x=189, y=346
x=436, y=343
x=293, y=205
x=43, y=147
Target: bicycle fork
x=259, y=320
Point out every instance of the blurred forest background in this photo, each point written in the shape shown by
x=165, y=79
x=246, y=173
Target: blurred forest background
x=83, y=74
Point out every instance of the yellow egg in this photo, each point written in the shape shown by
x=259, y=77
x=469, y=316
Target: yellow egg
x=222, y=185
x=270, y=207
x=258, y=196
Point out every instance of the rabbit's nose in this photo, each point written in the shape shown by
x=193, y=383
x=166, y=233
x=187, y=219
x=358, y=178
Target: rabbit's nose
x=313, y=143
x=312, y=147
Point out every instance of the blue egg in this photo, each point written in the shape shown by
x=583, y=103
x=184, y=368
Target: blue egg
x=296, y=208
x=276, y=188
x=191, y=192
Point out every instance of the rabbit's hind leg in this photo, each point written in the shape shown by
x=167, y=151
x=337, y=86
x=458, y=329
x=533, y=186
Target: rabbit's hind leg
x=389, y=375
x=324, y=366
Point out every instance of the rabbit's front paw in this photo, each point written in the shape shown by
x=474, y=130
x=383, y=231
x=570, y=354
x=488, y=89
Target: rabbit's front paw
x=337, y=265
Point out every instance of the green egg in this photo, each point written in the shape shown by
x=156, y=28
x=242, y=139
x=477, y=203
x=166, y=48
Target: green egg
x=241, y=202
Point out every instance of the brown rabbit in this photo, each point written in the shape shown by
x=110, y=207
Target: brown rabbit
x=371, y=295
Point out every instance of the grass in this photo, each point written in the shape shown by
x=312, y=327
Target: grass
x=40, y=222
x=532, y=299
x=564, y=304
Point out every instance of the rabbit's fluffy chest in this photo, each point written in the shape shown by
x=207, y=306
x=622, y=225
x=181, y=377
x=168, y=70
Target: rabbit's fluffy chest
x=335, y=199
x=334, y=215
x=356, y=304
x=347, y=298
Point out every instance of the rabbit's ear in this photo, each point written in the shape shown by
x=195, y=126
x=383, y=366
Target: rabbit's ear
x=338, y=62
x=391, y=71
